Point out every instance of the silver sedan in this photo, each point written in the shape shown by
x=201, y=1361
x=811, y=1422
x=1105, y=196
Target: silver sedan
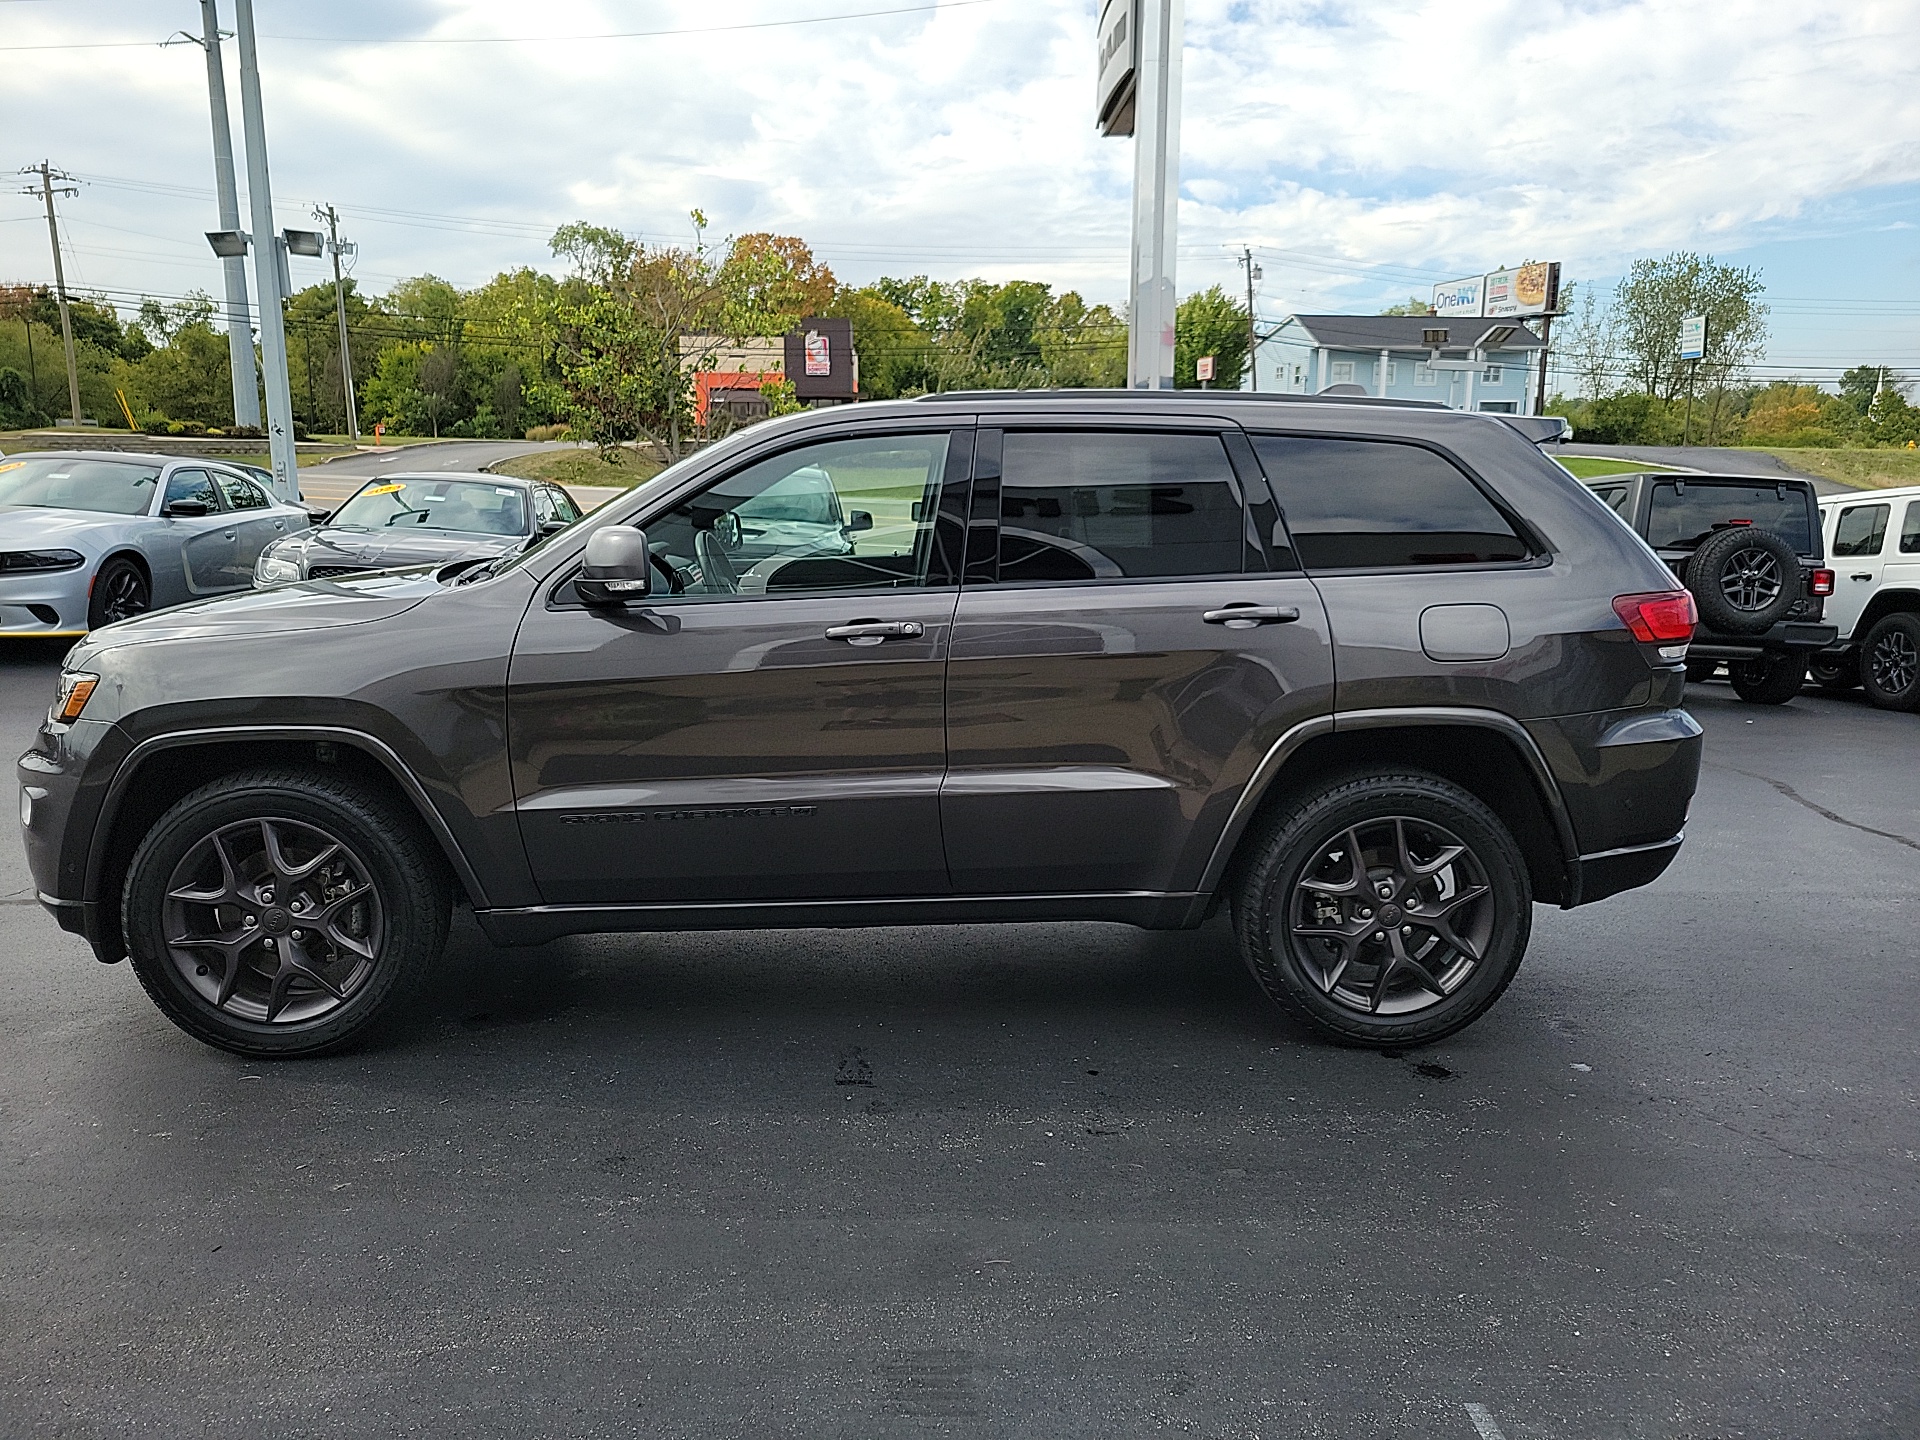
x=89, y=538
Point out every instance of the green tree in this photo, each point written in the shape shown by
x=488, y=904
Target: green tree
x=1657, y=295
x=1083, y=345
x=1860, y=384
x=769, y=284
x=1210, y=323
x=1412, y=305
x=895, y=354
x=189, y=379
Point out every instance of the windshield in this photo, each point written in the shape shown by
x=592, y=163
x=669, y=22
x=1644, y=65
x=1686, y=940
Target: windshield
x=1686, y=512
x=468, y=507
x=64, y=482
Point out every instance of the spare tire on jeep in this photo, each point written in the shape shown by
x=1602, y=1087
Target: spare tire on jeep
x=1743, y=579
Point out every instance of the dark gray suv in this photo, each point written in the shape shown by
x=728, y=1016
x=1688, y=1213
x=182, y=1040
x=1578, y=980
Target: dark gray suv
x=1378, y=678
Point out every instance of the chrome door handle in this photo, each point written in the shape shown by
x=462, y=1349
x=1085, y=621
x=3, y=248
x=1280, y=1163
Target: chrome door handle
x=873, y=632
x=1245, y=617
x=229, y=535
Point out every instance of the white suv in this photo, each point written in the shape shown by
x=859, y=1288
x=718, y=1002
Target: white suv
x=1873, y=544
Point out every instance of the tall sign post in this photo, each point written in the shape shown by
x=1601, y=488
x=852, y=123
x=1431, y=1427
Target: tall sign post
x=1693, y=348
x=1140, y=45
x=268, y=266
x=246, y=387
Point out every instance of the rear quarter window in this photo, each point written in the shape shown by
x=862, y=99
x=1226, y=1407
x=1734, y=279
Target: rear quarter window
x=1686, y=512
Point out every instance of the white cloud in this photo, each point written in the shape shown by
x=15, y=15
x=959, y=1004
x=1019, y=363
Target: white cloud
x=1431, y=136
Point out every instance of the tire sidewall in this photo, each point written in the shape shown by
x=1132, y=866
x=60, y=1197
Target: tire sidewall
x=1264, y=900
x=414, y=931
x=96, y=603
x=1907, y=699
x=1773, y=679
x=1708, y=565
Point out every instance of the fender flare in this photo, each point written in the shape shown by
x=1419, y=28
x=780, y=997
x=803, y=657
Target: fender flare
x=1347, y=721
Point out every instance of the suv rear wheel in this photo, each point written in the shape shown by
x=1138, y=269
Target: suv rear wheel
x=1838, y=673
x=1890, y=663
x=1384, y=909
x=277, y=913
x=1773, y=679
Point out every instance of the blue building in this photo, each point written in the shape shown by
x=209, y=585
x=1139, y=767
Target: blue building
x=1388, y=355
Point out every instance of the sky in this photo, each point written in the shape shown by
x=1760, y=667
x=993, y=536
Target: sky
x=1363, y=151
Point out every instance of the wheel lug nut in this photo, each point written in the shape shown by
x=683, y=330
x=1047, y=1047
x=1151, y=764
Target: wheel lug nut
x=269, y=944
x=1366, y=914
x=252, y=921
x=301, y=934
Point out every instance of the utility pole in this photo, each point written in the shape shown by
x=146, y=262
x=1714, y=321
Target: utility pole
x=266, y=263
x=1253, y=327
x=246, y=386
x=47, y=191
x=327, y=214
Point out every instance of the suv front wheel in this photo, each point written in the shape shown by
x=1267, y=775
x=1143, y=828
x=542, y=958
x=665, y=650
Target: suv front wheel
x=1384, y=909
x=277, y=913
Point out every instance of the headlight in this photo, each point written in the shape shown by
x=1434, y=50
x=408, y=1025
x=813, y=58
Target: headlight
x=71, y=696
x=275, y=570
x=20, y=562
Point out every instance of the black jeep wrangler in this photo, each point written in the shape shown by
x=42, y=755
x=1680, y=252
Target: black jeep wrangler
x=1749, y=548
x=1374, y=678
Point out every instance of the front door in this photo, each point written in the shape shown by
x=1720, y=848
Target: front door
x=1122, y=659
x=771, y=727
x=206, y=541
x=257, y=523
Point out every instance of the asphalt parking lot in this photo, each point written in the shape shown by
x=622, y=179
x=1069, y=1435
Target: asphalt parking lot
x=1065, y=1180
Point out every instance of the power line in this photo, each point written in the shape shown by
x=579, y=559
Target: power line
x=544, y=39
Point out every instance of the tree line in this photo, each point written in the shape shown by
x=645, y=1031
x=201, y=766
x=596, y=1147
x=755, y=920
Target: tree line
x=603, y=349
x=1631, y=386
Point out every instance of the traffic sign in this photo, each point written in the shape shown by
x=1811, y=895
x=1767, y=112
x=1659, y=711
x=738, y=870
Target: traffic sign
x=1203, y=367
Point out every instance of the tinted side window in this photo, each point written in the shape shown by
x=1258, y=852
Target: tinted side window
x=1614, y=495
x=563, y=506
x=1910, y=530
x=1862, y=530
x=191, y=485
x=1369, y=504
x=241, y=493
x=1079, y=505
x=1684, y=513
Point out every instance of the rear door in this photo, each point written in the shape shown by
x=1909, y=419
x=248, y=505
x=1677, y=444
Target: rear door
x=1128, y=645
x=256, y=524
x=776, y=729
x=1857, y=550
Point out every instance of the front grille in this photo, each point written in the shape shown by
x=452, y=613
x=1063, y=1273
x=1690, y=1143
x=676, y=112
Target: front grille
x=334, y=572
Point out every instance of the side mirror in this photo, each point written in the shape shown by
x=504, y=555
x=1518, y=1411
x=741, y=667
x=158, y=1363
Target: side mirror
x=857, y=521
x=184, y=509
x=318, y=516
x=617, y=568
x=552, y=527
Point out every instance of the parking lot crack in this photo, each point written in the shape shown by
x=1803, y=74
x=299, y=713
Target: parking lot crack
x=1820, y=810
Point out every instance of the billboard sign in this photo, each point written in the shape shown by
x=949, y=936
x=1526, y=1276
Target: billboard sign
x=819, y=359
x=1693, y=337
x=1530, y=290
x=1203, y=368
x=1460, y=297
x=1119, y=33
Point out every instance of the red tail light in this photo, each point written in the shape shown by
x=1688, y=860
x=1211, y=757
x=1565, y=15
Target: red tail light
x=1664, y=618
x=1820, y=582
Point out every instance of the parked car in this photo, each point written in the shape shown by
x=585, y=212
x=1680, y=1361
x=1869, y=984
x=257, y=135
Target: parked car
x=1374, y=679
x=435, y=519
x=1748, y=548
x=1874, y=539
x=87, y=539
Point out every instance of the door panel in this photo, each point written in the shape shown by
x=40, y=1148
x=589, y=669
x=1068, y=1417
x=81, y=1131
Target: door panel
x=1857, y=551
x=731, y=751
x=205, y=541
x=256, y=523
x=1099, y=734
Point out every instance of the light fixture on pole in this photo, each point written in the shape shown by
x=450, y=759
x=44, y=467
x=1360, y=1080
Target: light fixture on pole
x=228, y=244
x=1139, y=95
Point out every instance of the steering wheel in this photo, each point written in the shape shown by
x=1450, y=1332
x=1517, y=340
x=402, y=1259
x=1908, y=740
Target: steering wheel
x=675, y=585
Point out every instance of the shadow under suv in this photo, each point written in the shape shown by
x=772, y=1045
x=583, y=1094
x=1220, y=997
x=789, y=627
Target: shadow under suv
x=1379, y=678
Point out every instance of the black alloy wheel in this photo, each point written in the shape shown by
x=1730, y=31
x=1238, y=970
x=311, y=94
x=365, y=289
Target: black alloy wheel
x=277, y=913
x=1773, y=679
x=1744, y=580
x=1838, y=673
x=1385, y=909
x=1890, y=662
x=120, y=591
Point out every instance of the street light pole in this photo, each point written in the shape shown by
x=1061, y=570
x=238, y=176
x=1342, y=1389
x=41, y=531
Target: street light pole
x=266, y=264
x=1253, y=327
x=47, y=176
x=327, y=214
x=246, y=385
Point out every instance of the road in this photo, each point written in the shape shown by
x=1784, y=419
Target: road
x=1054, y=1181
x=1713, y=461
x=334, y=481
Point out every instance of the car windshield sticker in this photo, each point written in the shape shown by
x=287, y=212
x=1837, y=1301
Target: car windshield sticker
x=384, y=490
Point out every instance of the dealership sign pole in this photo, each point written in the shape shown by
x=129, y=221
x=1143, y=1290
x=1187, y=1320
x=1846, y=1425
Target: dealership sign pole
x=1139, y=95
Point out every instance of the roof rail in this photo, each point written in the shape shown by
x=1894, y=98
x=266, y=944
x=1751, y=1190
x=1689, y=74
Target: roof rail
x=1184, y=396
